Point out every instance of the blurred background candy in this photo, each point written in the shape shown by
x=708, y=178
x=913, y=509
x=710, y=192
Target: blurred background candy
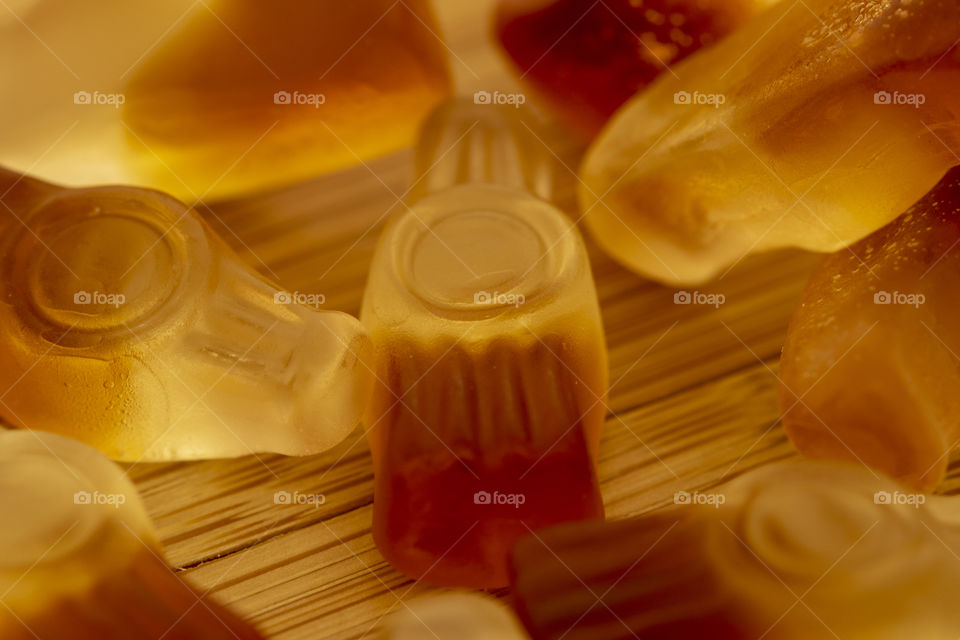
x=869, y=366
x=789, y=551
x=212, y=99
x=80, y=557
x=586, y=58
x=810, y=127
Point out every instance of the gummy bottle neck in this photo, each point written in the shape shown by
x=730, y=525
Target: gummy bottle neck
x=466, y=141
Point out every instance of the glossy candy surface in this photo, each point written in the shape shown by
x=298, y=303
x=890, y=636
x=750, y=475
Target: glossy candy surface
x=490, y=362
x=812, y=126
x=790, y=551
x=81, y=559
x=214, y=99
x=869, y=366
x=129, y=325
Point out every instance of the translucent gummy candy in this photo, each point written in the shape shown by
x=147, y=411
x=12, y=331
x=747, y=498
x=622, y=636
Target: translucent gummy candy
x=588, y=58
x=81, y=560
x=812, y=126
x=127, y=324
x=791, y=551
x=490, y=360
x=213, y=99
x=453, y=616
x=869, y=366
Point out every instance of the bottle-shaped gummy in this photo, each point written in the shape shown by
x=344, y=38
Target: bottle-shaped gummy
x=490, y=358
x=80, y=557
x=128, y=324
x=811, y=126
x=869, y=367
x=213, y=99
x=871, y=561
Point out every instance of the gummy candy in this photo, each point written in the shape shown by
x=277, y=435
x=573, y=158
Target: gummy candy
x=81, y=560
x=127, y=324
x=490, y=362
x=214, y=99
x=588, y=58
x=791, y=551
x=869, y=366
x=812, y=126
x=497, y=145
x=453, y=616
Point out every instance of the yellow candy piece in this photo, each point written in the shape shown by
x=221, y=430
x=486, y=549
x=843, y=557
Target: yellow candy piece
x=129, y=325
x=81, y=560
x=869, y=366
x=791, y=551
x=213, y=99
x=812, y=126
x=490, y=358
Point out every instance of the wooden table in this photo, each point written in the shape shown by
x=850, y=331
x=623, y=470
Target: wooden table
x=693, y=400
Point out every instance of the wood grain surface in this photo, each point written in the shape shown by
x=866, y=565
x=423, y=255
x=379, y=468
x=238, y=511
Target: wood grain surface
x=693, y=400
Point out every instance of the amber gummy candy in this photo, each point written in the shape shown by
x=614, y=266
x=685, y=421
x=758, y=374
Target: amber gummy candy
x=869, y=367
x=490, y=362
x=214, y=99
x=126, y=323
x=792, y=551
x=588, y=58
x=80, y=558
x=812, y=126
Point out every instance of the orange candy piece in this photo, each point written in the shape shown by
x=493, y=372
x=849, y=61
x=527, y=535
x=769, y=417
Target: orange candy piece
x=869, y=367
x=490, y=360
x=812, y=126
